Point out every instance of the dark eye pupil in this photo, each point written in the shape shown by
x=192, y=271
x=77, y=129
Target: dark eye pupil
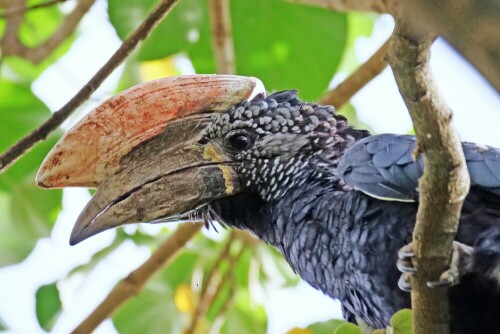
x=240, y=142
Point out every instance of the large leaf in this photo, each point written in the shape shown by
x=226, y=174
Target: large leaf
x=402, y=322
x=154, y=310
x=174, y=34
x=326, y=327
x=48, y=305
x=28, y=212
x=245, y=316
x=3, y=326
x=286, y=45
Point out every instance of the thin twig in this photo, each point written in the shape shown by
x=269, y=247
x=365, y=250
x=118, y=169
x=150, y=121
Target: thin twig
x=445, y=182
x=12, y=46
x=83, y=94
x=227, y=278
x=220, y=21
x=207, y=288
x=214, y=286
x=134, y=282
x=22, y=10
x=341, y=94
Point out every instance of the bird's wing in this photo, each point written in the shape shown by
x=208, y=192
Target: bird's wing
x=382, y=166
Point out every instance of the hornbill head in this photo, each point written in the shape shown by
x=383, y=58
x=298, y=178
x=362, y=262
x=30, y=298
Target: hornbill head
x=167, y=149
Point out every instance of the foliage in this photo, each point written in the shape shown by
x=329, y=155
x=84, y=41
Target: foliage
x=48, y=305
x=286, y=45
x=274, y=40
x=27, y=212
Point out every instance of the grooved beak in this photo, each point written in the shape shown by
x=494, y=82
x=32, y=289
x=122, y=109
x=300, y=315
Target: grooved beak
x=142, y=150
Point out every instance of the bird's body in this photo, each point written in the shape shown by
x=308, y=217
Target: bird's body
x=337, y=202
x=344, y=242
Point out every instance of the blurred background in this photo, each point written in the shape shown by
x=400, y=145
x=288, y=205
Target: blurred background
x=48, y=286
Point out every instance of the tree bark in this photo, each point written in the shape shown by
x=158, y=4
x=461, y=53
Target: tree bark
x=471, y=26
x=445, y=182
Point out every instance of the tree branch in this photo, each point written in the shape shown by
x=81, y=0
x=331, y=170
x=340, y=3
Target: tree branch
x=12, y=46
x=133, y=283
x=10, y=37
x=22, y=10
x=377, y=6
x=216, y=281
x=222, y=41
x=208, y=289
x=62, y=114
x=341, y=94
x=471, y=26
x=445, y=182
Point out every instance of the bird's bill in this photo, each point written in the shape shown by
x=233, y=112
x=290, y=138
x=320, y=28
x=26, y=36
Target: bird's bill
x=155, y=176
x=162, y=178
x=91, y=151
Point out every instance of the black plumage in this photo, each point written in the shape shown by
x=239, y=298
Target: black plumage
x=339, y=204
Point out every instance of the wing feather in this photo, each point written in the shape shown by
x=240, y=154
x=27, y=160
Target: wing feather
x=382, y=166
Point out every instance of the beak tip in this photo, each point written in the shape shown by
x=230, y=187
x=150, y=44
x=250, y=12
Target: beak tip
x=77, y=237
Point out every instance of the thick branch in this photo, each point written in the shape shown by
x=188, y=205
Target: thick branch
x=445, y=182
x=10, y=37
x=377, y=6
x=62, y=114
x=220, y=21
x=12, y=46
x=134, y=282
x=21, y=10
x=341, y=94
x=471, y=26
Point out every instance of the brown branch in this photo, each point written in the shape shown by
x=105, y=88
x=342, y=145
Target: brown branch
x=471, y=26
x=216, y=281
x=445, y=182
x=134, y=282
x=341, y=94
x=12, y=46
x=209, y=287
x=377, y=6
x=222, y=41
x=22, y=10
x=62, y=114
x=10, y=40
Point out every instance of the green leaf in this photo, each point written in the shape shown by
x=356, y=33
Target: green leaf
x=48, y=305
x=241, y=270
x=27, y=212
x=274, y=267
x=174, y=34
x=348, y=328
x=181, y=269
x=326, y=327
x=154, y=310
x=402, y=322
x=288, y=45
x=245, y=316
x=3, y=326
x=360, y=25
x=20, y=112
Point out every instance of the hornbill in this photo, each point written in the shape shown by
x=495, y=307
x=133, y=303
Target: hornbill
x=336, y=201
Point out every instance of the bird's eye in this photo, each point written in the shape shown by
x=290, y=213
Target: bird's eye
x=240, y=140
